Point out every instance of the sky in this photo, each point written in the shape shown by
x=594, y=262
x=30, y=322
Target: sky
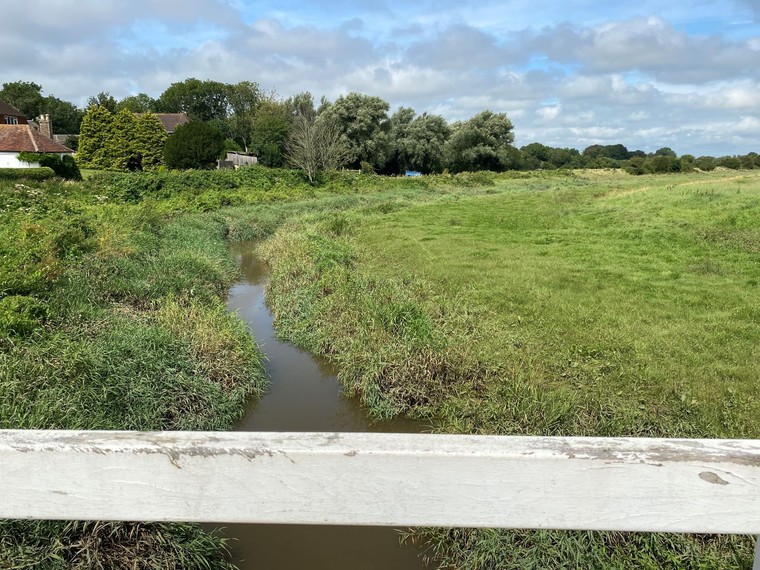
x=572, y=73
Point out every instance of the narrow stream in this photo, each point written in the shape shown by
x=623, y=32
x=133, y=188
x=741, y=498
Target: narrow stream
x=305, y=396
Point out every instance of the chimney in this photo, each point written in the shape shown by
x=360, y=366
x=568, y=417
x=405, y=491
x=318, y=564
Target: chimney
x=46, y=127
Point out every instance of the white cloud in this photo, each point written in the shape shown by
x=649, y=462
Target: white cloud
x=602, y=76
x=549, y=113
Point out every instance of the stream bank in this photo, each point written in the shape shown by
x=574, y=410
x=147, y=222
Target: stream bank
x=305, y=395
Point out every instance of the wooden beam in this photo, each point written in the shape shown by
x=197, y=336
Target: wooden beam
x=705, y=486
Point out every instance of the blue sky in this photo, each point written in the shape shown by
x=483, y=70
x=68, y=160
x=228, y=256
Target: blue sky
x=684, y=75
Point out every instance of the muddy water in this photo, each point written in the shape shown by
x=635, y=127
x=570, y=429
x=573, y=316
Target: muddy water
x=305, y=396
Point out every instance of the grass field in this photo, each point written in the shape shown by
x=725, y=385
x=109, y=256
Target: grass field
x=598, y=304
x=641, y=296
x=113, y=317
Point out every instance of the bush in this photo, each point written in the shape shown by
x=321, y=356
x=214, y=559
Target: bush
x=41, y=173
x=64, y=166
x=194, y=145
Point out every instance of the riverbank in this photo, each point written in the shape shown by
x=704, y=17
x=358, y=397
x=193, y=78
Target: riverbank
x=597, y=305
x=112, y=317
x=304, y=395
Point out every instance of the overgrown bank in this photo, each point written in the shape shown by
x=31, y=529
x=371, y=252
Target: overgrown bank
x=598, y=305
x=113, y=317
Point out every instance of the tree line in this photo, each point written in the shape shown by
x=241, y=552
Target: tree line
x=356, y=131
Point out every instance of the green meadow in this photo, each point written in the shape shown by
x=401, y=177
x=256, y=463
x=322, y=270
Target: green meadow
x=593, y=304
x=637, y=298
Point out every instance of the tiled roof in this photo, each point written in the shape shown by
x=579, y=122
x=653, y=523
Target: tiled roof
x=23, y=138
x=8, y=109
x=171, y=120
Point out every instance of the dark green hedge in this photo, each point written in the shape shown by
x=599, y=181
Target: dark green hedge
x=41, y=173
x=64, y=166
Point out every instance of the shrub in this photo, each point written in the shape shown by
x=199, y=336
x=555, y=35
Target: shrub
x=194, y=145
x=64, y=166
x=41, y=173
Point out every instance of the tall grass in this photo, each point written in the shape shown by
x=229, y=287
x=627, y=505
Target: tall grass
x=114, y=318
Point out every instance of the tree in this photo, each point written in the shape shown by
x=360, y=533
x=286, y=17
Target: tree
x=245, y=97
x=103, y=99
x=93, y=136
x=120, y=148
x=484, y=142
x=140, y=103
x=613, y=151
x=417, y=143
x=536, y=156
x=25, y=96
x=706, y=163
x=65, y=117
x=302, y=105
x=271, y=126
x=565, y=158
x=194, y=145
x=201, y=100
x=662, y=163
x=396, y=135
x=150, y=138
x=731, y=162
x=360, y=119
x=120, y=141
x=665, y=151
x=315, y=146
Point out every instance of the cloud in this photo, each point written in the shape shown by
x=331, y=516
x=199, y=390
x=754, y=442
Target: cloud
x=583, y=73
x=650, y=46
x=753, y=5
x=549, y=113
x=459, y=48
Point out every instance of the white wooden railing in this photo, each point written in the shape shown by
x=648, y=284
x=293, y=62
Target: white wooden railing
x=624, y=484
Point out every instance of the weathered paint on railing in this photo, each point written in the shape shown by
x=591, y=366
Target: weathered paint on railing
x=704, y=486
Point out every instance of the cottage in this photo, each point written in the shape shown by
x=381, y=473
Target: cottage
x=16, y=138
x=170, y=121
x=9, y=115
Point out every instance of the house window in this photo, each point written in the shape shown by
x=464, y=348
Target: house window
x=11, y=120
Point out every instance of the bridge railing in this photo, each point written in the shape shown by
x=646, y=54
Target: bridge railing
x=622, y=484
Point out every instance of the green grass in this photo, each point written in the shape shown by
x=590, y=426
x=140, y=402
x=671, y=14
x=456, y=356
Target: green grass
x=597, y=304
x=521, y=303
x=639, y=298
x=114, y=318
